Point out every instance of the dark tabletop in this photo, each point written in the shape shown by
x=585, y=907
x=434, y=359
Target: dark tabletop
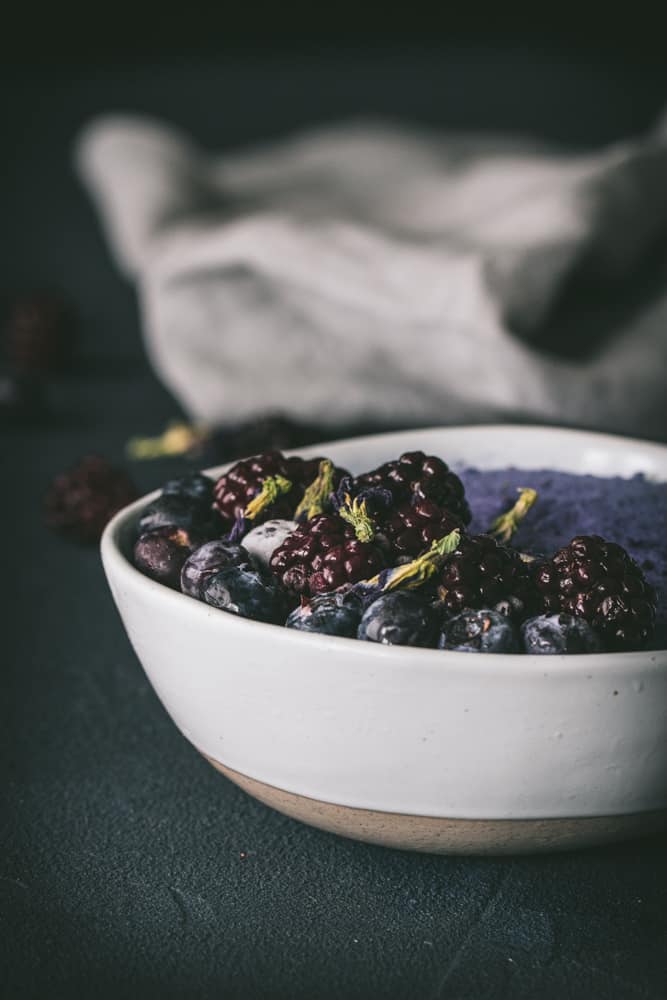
x=128, y=867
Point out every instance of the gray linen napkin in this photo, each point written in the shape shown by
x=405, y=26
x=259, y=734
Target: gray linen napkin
x=369, y=272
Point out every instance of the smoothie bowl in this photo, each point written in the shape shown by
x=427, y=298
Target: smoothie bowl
x=434, y=746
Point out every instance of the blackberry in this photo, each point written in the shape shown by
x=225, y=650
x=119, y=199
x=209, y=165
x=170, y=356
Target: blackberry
x=560, y=633
x=236, y=488
x=323, y=554
x=160, y=554
x=83, y=499
x=597, y=580
x=327, y=614
x=400, y=618
x=422, y=477
x=410, y=528
x=40, y=334
x=479, y=631
x=482, y=573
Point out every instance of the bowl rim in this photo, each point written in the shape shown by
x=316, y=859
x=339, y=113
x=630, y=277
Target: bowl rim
x=508, y=663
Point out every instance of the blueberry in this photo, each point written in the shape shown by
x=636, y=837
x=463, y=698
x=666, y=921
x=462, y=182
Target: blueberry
x=244, y=591
x=162, y=552
x=175, y=510
x=560, y=633
x=399, y=618
x=195, y=487
x=263, y=540
x=328, y=614
x=479, y=631
x=511, y=607
x=207, y=560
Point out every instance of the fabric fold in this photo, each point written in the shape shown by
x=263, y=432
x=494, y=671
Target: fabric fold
x=376, y=273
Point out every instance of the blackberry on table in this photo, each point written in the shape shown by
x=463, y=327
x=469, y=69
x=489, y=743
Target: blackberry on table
x=83, y=499
x=418, y=476
x=597, y=580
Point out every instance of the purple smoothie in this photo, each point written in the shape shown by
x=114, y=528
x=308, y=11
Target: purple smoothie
x=632, y=512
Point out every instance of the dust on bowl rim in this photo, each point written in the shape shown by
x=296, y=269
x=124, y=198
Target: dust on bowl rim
x=558, y=448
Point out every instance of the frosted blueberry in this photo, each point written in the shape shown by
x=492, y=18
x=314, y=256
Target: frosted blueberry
x=328, y=614
x=399, y=618
x=207, y=560
x=244, y=591
x=552, y=634
x=479, y=631
x=263, y=540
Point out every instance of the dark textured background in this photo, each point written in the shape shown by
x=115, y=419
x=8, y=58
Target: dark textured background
x=128, y=866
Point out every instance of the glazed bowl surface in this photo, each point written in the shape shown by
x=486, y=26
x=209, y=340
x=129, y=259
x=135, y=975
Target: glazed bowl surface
x=410, y=747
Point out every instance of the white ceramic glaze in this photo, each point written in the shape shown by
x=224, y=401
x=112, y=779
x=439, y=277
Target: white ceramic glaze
x=412, y=731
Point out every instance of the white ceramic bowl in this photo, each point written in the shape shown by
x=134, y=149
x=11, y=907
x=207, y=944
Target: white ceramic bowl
x=411, y=747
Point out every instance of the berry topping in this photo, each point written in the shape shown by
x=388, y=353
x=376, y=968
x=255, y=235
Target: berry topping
x=422, y=477
x=400, y=618
x=243, y=590
x=479, y=630
x=328, y=614
x=236, y=489
x=411, y=528
x=552, y=634
x=480, y=573
x=207, y=560
x=597, y=580
x=261, y=542
x=161, y=553
x=323, y=554
x=82, y=500
x=195, y=487
x=182, y=511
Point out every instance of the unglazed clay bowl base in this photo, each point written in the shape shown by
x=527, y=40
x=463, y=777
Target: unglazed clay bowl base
x=416, y=748
x=439, y=835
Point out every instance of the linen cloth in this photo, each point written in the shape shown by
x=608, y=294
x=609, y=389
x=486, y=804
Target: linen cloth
x=370, y=272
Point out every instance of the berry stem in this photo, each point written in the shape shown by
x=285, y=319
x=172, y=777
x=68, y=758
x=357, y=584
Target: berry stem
x=413, y=574
x=317, y=494
x=417, y=572
x=355, y=512
x=272, y=488
x=178, y=439
x=506, y=524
